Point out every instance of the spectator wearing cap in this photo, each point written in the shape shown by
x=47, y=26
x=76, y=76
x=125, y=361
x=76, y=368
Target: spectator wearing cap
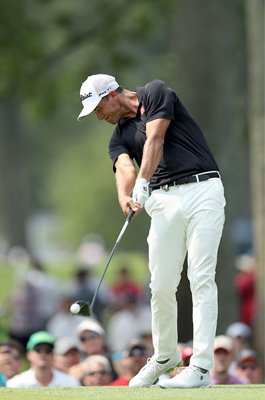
x=134, y=358
x=248, y=368
x=96, y=370
x=41, y=373
x=223, y=357
x=66, y=353
x=241, y=335
x=92, y=337
x=92, y=340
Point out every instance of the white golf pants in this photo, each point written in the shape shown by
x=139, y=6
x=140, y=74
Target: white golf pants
x=186, y=219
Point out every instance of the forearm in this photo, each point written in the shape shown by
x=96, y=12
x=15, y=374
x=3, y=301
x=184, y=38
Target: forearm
x=153, y=147
x=125, y=179
x=152, y=154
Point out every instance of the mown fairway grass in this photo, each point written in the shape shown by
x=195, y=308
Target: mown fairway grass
x=228, y=392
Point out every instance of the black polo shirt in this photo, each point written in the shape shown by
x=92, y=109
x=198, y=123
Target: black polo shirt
x=185, y=149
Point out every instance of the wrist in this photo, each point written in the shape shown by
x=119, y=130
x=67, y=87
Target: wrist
x=142, y=181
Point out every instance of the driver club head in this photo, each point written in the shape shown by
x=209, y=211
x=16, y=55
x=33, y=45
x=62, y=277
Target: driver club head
x=85, y=308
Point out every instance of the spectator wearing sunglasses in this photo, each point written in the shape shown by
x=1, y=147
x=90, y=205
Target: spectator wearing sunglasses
x=248, y=367
x=224, y=353
x=96, y=371
x=41, y=372
x=134, y=358
x=93, y=342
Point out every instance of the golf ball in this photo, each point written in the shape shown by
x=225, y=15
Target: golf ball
x=75, y=308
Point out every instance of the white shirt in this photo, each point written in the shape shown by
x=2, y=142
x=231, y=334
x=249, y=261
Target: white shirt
x=28, y=379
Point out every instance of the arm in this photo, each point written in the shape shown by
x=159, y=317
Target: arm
x=153, y=147
x=125, y=180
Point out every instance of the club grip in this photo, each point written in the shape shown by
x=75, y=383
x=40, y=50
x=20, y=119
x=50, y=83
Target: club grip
x=129, y=216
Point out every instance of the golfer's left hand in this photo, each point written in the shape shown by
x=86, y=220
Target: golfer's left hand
x=140, y=191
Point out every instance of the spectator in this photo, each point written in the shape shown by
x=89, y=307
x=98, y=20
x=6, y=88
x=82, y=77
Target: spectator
x=93, y=342
x=248, y=368
x=241, y=335
x=145, y=334
x=66, y=353
x=124, y=286
x=84, y=287
x=5, y=363
x=223, y=357
x=18, y=355
x=11, y=356
x=96, y=371
x=41, y=373
x=245, y=283
x=127, y=323
x=32, y=303
x=134, y=358
x=92, y=337
x=63, y=321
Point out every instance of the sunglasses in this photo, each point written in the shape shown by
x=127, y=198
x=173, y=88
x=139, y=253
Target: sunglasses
x=86, y=338
x=98, y=372
x=43, y=349
x=242, y=366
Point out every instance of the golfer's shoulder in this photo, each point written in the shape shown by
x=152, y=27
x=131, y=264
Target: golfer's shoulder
x=157, y=89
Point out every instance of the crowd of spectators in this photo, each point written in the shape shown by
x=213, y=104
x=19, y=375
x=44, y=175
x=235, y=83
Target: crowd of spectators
x=61, y=349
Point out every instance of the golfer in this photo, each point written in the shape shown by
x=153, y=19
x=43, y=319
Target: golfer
x=179, y=185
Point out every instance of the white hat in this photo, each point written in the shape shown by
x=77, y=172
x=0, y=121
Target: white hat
x=239, y=329
x=93, y=90
x=90, y=324
x=223, y=342
x=64, y=344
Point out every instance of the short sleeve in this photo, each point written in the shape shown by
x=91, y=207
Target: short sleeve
x=116, y=146
x=160, y=101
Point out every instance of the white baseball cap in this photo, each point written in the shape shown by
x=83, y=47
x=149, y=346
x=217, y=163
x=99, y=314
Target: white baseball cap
x=223, y=342
x=89, y=324
x=93, y=90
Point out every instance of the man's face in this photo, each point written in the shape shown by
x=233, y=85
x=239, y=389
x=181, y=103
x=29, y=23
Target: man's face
x=41, y=356
x=222, y=360
x=67, y=360
x=91, y=342
x=96, y=374
x=109, y=109
x=249, y=371
x=134, y=363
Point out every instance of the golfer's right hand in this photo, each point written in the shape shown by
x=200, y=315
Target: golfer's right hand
x=140, y=191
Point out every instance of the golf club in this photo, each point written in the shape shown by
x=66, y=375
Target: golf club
x=82, y=307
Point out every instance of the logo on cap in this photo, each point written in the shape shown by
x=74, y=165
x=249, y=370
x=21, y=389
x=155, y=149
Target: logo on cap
x=85, y=96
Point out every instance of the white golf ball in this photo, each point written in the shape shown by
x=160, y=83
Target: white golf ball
x=75, y=308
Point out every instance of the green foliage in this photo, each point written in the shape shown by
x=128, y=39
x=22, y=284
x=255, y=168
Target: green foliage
x=48, y=48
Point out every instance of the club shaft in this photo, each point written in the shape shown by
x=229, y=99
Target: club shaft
x=126, y=223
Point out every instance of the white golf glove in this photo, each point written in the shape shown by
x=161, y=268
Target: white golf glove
x=140, y=191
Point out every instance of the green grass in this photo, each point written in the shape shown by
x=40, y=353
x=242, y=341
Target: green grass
x=228, y=392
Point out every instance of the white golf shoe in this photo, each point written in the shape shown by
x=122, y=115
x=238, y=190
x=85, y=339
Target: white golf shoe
x=187, y=377
x=150, y=373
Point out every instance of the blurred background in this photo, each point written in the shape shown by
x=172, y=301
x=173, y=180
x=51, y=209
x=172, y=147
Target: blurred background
x=58, y=202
